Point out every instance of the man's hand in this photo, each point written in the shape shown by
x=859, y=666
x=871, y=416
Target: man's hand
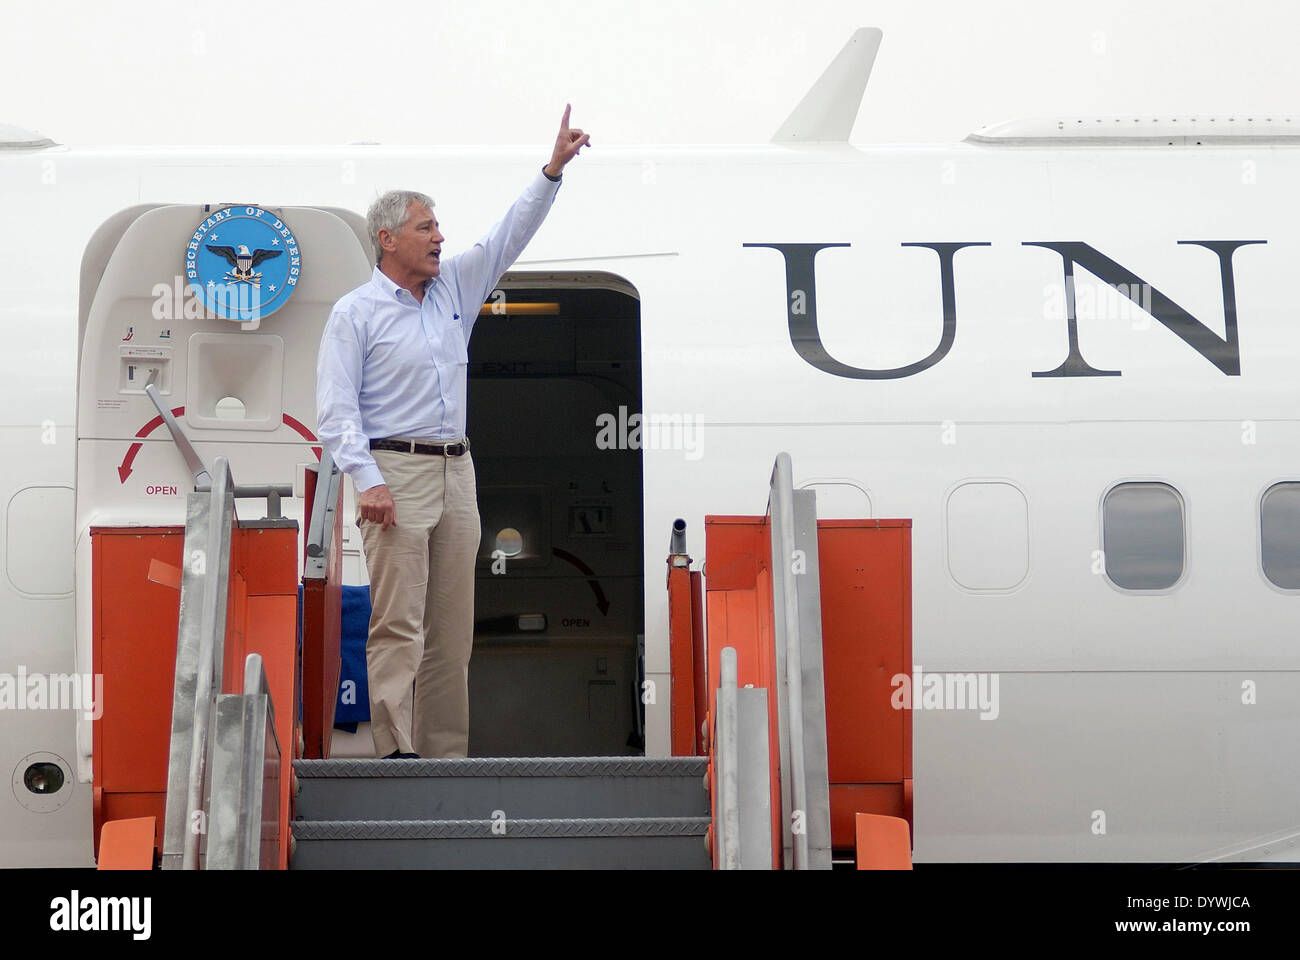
x=567, y=144
x=377, y=505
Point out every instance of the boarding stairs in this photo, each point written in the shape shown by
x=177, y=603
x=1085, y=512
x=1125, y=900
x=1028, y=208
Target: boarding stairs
x=751, y=785
x=523, y=813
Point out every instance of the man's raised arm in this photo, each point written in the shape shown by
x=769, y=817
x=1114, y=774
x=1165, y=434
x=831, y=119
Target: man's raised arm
x=475, y=272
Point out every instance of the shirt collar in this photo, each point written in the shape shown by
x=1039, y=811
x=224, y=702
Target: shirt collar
x=386, y=284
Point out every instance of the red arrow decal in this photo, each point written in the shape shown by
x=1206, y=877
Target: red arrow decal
x=302, y=430
x=124, y=470
x=601, y=602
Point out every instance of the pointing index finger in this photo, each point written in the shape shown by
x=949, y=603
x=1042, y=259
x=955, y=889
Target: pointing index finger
x=565, y=122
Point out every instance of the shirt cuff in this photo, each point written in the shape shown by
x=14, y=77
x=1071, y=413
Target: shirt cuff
x=363, y=478
x=543, y=187
x=549, y=177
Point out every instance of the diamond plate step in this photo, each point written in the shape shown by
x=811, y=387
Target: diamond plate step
x=639, y=843
x=523, y=788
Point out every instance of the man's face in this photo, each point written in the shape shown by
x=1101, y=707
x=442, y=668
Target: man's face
x=417, y=246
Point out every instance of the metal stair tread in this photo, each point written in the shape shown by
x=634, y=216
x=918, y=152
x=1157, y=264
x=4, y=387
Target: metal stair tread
x=311, y=830
x=349, y=768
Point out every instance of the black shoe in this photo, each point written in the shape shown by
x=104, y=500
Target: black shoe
x=396, y=755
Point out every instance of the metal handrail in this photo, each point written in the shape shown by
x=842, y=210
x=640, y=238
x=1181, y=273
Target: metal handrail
x=248, y=491
x=212, y=648
x=202, y=476
x=319, y=532
x=255, y=682
x=255, y=686
x=742, y=772
x=728, y=757
x=786, y=624
x=245, y=748
x=200, y=653
x=203, y=759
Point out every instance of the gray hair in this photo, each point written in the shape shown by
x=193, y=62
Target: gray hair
x=389, y=212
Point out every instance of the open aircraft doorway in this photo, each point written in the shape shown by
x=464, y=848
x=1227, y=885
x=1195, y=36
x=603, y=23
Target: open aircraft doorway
x=559, y=599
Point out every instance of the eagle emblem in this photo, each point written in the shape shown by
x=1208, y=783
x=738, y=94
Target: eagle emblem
x=243, y=263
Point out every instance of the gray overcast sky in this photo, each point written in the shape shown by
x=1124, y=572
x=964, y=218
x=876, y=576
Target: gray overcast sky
x=673, y=71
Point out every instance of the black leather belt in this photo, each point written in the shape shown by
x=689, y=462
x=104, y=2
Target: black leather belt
x=412, y=446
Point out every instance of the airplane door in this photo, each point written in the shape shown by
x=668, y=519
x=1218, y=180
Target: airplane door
x=237, y=372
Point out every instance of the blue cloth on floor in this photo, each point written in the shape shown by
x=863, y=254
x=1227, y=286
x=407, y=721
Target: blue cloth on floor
x=353, y=705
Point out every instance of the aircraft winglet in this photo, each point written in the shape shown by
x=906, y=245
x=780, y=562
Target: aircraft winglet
x=828, y=110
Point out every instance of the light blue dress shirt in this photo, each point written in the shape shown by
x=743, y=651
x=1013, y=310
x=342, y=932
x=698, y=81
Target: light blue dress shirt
x=390, y=366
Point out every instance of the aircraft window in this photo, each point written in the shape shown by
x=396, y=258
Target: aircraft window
x=510, y=542
x=1279, y=534
x=1143, y=539
x=987, y=525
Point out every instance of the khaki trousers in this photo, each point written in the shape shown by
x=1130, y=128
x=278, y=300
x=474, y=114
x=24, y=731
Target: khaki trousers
x=422, y=600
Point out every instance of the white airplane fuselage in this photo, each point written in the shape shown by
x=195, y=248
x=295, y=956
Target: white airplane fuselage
x=1131, y=725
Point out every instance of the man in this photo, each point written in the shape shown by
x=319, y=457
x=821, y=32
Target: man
x=390, y=400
